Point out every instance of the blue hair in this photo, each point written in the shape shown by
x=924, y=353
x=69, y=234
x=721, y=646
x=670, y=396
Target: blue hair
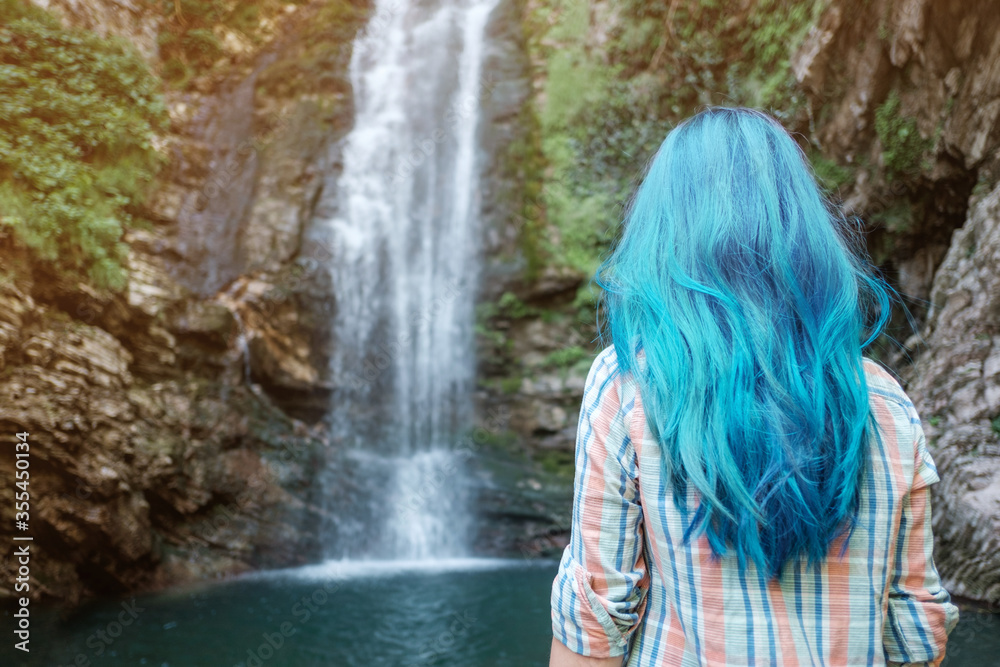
x=751, y=300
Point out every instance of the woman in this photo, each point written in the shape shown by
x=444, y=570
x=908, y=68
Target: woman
x=750, y=490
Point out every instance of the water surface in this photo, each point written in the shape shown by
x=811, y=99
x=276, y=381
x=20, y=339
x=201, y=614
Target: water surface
x=454, y=613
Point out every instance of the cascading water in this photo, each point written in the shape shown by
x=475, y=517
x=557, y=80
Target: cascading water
x=404, y=264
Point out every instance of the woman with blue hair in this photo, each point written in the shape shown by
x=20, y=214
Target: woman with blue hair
x=750, y=489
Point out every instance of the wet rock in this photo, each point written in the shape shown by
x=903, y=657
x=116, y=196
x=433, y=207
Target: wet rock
x=956, y=387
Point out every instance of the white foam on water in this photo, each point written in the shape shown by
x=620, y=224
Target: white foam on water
x=355, y=568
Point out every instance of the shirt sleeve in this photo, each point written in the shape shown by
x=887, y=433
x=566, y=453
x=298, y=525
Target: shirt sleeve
x=920, y=614
x=599, y=592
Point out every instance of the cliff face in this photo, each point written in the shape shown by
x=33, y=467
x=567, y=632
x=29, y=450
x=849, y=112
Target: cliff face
x=174, y=426
x=911, y=110
x=905, y=96
x=956, y=384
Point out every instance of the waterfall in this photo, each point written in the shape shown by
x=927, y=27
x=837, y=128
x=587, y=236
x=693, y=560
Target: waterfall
x=405, y=243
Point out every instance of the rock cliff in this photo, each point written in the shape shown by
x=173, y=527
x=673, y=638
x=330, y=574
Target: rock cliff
x=174, y=426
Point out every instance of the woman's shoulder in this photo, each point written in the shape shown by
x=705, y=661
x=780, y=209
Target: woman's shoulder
x=608, y=379
x=883, y=382
x=607, y=366
x=604, y=369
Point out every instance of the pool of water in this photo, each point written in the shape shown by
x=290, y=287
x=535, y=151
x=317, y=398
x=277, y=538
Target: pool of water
x=463, y=613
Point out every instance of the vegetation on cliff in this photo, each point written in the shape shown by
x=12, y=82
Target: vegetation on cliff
x=603, y=111
x=145, y=394
x=78, y=117
x=195, y=35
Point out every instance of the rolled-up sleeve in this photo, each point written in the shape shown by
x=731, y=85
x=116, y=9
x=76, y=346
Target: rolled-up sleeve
x=920, y=613
x=599, y=592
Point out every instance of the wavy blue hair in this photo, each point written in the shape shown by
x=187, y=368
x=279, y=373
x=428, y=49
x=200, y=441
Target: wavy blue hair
x=751, y=300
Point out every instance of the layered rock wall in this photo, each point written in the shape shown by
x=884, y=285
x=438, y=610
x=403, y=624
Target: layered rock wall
x=175, y=427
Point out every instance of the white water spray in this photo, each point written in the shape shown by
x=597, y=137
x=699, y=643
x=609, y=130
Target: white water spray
x=404, y=271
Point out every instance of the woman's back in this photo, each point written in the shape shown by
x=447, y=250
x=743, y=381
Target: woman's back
x=734, y=440
x=628, y=583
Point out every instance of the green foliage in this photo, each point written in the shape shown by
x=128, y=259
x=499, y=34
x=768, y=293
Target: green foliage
x=492, y=337
x=902, y=145
x=201, y=46
x=176, y=71
x=522, y=173
x=512, y=307
x=995, y=425
x=188, y=40
x=556, y=462
x=604, y=112
x=774, y=29
x=505, y=440
x=12, y=10
x=830, y=175
x=983, y=185
x=566, y=357
x=511, y=385
x=77, y=117
x=575, y=82
x=484, y=327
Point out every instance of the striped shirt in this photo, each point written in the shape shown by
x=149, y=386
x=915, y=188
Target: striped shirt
x=628, y=586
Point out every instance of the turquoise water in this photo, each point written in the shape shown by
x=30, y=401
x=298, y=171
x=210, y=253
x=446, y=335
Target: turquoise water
x=469, y=613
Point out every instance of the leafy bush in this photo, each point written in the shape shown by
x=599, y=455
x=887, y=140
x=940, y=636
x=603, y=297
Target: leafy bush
x=320, y=64
x=77, y=117
x=511, y=306
x=566, y=357
x=187, y=42
x=902, y=145
x=830, y=175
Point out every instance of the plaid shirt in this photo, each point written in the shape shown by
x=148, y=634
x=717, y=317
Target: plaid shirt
x=628, y=586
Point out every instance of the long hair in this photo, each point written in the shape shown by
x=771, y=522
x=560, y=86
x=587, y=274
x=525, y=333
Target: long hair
x=742, y=301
